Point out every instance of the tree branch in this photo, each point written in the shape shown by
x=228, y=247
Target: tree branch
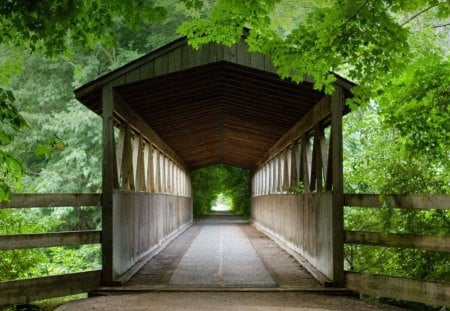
x=356, y=12
x=443, y=25
x=417, y=15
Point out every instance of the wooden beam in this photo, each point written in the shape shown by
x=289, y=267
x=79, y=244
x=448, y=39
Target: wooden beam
x=398, y=201
x=286, y=170
x=337, y=211
x=150, y=170
x=36, y=240
x=127, y=176
x=423, y=242
x=431, y=293
x=140, y=167
x=128, y=115
x=108, y=150
x=320, y=112
x=26, y=291
x=27, y=200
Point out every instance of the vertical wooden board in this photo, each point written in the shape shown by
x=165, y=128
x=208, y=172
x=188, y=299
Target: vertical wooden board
x=257, y=61
x=127, y=177
x=202, y=55
x=187, y=57
x=242, y=54
x=107, y=184
x=268, y=66
x=304, y=176
x=294, y=164
x=229, y=53
x=318, y=158
x=119, y=154
x=279, y=173
x=140, y=167
x=150, y=169
x=118, y=81
x=135, y=156
x=216, y=52
x=329, y=170
x=147, y=70
x=337, y=104
x=323, y=151
x=174, y=59
x=161, y=65
x=157, y=171
x=132, y=76
x=285, y=170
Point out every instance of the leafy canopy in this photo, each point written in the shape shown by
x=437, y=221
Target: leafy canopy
x=53, y=26
x=365, y=40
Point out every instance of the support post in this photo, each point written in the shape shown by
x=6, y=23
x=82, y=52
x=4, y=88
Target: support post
x=108, y=164
x=337, y=209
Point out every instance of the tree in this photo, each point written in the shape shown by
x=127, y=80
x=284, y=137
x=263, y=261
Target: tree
x=231, y=182
x=56, y=28
x=365, y=40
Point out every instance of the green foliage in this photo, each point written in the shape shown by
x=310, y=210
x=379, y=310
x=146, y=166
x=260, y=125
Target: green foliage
x=210, y=182
x=60, y=150
x=416, y=104
x=297, y=189
x=54, y=26
x=365, y=40
x=10, y=166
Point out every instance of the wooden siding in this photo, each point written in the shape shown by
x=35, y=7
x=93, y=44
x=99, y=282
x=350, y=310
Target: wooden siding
x=303, y=222
x=142, y=221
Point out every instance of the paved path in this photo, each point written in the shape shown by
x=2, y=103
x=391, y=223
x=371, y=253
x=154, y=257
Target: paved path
x=221, y=256
x=222, y=251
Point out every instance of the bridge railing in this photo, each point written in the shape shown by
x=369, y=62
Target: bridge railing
x=433, y=293
x=27, y=290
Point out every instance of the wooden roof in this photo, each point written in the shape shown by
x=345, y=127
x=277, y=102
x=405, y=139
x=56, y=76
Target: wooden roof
x=215, y=105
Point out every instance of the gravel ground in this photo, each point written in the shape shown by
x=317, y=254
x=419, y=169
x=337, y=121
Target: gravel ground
x=234, y=301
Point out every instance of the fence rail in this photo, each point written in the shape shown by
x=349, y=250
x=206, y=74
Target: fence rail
x=26, y=200
x=27, y=290
x=35, y=240
x=422, y=242
x=433, y=293
x=398, y=201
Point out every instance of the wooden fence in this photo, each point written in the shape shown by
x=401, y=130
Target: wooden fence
x=433, y=293
x=24, y=291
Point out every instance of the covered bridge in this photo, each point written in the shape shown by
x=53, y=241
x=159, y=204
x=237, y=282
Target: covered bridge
x=177, y=109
